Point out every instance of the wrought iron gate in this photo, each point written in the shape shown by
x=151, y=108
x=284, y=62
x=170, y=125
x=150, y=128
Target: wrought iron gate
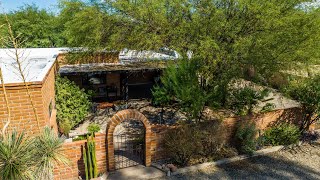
x=128, y=150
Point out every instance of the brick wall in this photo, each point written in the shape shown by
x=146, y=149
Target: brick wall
x=22, y=115
x=262, y=121
x=48, y=98
x=73, y=151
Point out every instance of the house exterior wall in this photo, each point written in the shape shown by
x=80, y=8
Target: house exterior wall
x=22, y=115
x=48, y=98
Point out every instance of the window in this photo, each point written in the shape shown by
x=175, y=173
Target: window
x=50, y=109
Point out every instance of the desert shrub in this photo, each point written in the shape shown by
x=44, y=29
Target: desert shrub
x=17, y=154
x=213, y=138
x=282, y=134
x=206, y=140
x=93, y=128
x=243, y=100
x=182, y=143
x=278, y=80
x=73, y=104
x=22, y=157
x=245, y=137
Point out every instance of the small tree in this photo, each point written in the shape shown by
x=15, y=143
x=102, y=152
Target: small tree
x=307, y=93
x=180, y=83
x=244, y=100
x=73, y=104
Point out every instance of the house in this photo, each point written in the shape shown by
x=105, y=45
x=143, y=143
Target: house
x=113, y=76
x=39, y=69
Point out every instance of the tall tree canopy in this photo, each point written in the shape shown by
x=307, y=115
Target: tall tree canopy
x=229, y=35
x=35, y=27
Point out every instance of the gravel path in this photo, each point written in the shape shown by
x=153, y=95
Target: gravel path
x=298, y=163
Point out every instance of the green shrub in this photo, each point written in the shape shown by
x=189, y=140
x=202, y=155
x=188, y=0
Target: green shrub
x=246, y=138
x=93, y=128
x=283, y=134
x=73, y=104
x=243, y=100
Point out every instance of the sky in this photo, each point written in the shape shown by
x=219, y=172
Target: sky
x=11, y=5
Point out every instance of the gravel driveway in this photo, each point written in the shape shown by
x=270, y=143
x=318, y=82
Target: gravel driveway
x=301, y=162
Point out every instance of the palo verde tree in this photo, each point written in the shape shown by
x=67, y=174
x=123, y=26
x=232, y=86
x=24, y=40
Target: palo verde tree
x=307, y=92
x=229, y=36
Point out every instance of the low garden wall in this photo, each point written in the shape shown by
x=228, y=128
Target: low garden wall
x=73, y=150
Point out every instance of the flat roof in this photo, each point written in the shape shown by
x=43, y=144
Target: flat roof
x=35, y=62
x=113, y=67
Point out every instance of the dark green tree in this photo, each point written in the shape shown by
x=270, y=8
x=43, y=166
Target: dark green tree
x=181, y=85
x=33, y=26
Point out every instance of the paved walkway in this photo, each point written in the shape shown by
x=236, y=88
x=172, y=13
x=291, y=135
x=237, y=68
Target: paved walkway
x=135, y=173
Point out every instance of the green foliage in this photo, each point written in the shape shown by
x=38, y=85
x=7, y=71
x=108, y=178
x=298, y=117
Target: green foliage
x=50, y=153
x=93, y=128
x=246, y=138
x=226, y=35
x=72, y=103
x=89, y=158
x=243, y=100
x=282, y=134
x=84, y=24
x=22, y=157
x=17, y=157
x=180, y=83
x=307, y=92
x=35, y=27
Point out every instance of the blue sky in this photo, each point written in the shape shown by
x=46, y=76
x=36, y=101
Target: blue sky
x=10, y=5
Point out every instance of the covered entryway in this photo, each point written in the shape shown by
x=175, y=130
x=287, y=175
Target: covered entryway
x=128, y=140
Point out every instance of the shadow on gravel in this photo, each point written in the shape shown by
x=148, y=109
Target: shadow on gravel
x=266, y=167
x=263, y=167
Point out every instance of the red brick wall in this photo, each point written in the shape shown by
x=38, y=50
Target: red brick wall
x=262, y=121
x=73, y=151
x=22, y=115
x=48, y=96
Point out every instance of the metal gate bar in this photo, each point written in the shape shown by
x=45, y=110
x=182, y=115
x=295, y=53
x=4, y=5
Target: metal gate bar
x=128, y=150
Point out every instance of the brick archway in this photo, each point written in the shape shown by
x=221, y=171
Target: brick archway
x=125, y=115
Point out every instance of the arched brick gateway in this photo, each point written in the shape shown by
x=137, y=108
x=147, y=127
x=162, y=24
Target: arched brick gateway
x=124, y=115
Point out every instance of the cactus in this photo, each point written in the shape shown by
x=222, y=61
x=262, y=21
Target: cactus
x=89, y=158
x=94, y=158
x=85, y=161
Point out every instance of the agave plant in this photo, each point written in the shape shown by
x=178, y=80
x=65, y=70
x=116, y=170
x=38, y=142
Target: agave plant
x=49, y=147
x=17, y=156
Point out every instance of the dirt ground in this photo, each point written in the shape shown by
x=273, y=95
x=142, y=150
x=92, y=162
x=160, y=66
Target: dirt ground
x=302, y=162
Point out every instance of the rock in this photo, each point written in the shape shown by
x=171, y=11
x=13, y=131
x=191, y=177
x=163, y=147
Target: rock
x=172, y=167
